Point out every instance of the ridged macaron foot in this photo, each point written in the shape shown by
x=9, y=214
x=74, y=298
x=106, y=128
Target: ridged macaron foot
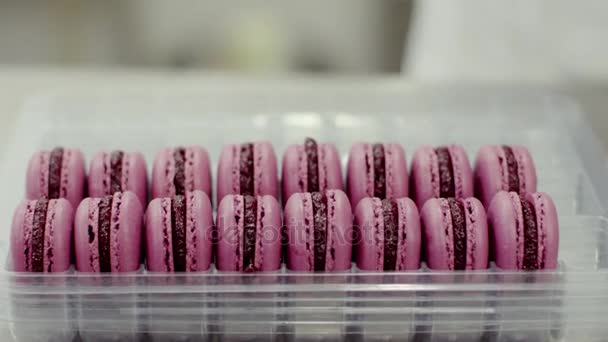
x=179, y=233
x=249, y=234
x=118, y=171
x=59, y=173
x=247, y=169
x=107, y=233
x=41, y=236
x=376, y=170
x=440, y=172
x=388, y=234
x=524, y=231
x=310, y=167
x=455, y=234
x=180, y=169
x=319, y=231
x=503, y=168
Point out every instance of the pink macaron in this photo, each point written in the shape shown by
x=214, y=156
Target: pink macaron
x=247, y=169
x=58, y=173
x=107, y=233
x=179, y=233
x=388, y=234
x=376, y=170
x=249, y=234
x=310, y=167
x=524, y=231
x=503, y=168
x=180, y=169
x=319, y=231
x=118, y=171
x=41, y=236
x=440, y=172
x=455, y=234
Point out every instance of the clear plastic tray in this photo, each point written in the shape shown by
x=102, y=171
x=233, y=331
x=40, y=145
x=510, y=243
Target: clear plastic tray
x=570, y=303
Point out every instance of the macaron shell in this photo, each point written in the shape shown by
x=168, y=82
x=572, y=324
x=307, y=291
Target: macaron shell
x=488, y=175
x=359, y=184
x=226, y=171
x=137, y=179
x=330, y=171
x=271, y=233
x=463, y=174
x=527, y=167
x=293, y=171
x=265, y=170
x=368, y=216
x=159, y=181
x=340, y=223
x=58, y=237
x=477, y=234
x=408, y=251
x=295, y=217
x=396, y=168
x=435, y=239
x=84, y=255
x=424, y=172
x=502, y=222
x=156, y=219
x=72, y=175
x=297, y=213
x=201, y=169
x=128, y=243
x=547, y=222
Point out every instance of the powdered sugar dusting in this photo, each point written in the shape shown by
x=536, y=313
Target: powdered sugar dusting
x=449, y=231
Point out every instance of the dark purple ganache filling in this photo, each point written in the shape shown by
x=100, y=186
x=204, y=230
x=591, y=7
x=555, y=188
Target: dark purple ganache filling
x=116, y=171
x=459, y=228
x=512, y=167
x=379, y=171
x=37, y=240
x=103, y=233
x=312, y=164
x=530, y=236
x=447, y=186
x=55, y=161
x=178, y=232
x=319, y=212
x=246, y=169
x=250, y=207
x=391, y=237
x=179, y=180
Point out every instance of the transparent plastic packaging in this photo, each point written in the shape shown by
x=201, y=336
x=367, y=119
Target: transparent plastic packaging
x=570, y=303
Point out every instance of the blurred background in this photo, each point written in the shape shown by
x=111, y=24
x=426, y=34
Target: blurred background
x=555, y=43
